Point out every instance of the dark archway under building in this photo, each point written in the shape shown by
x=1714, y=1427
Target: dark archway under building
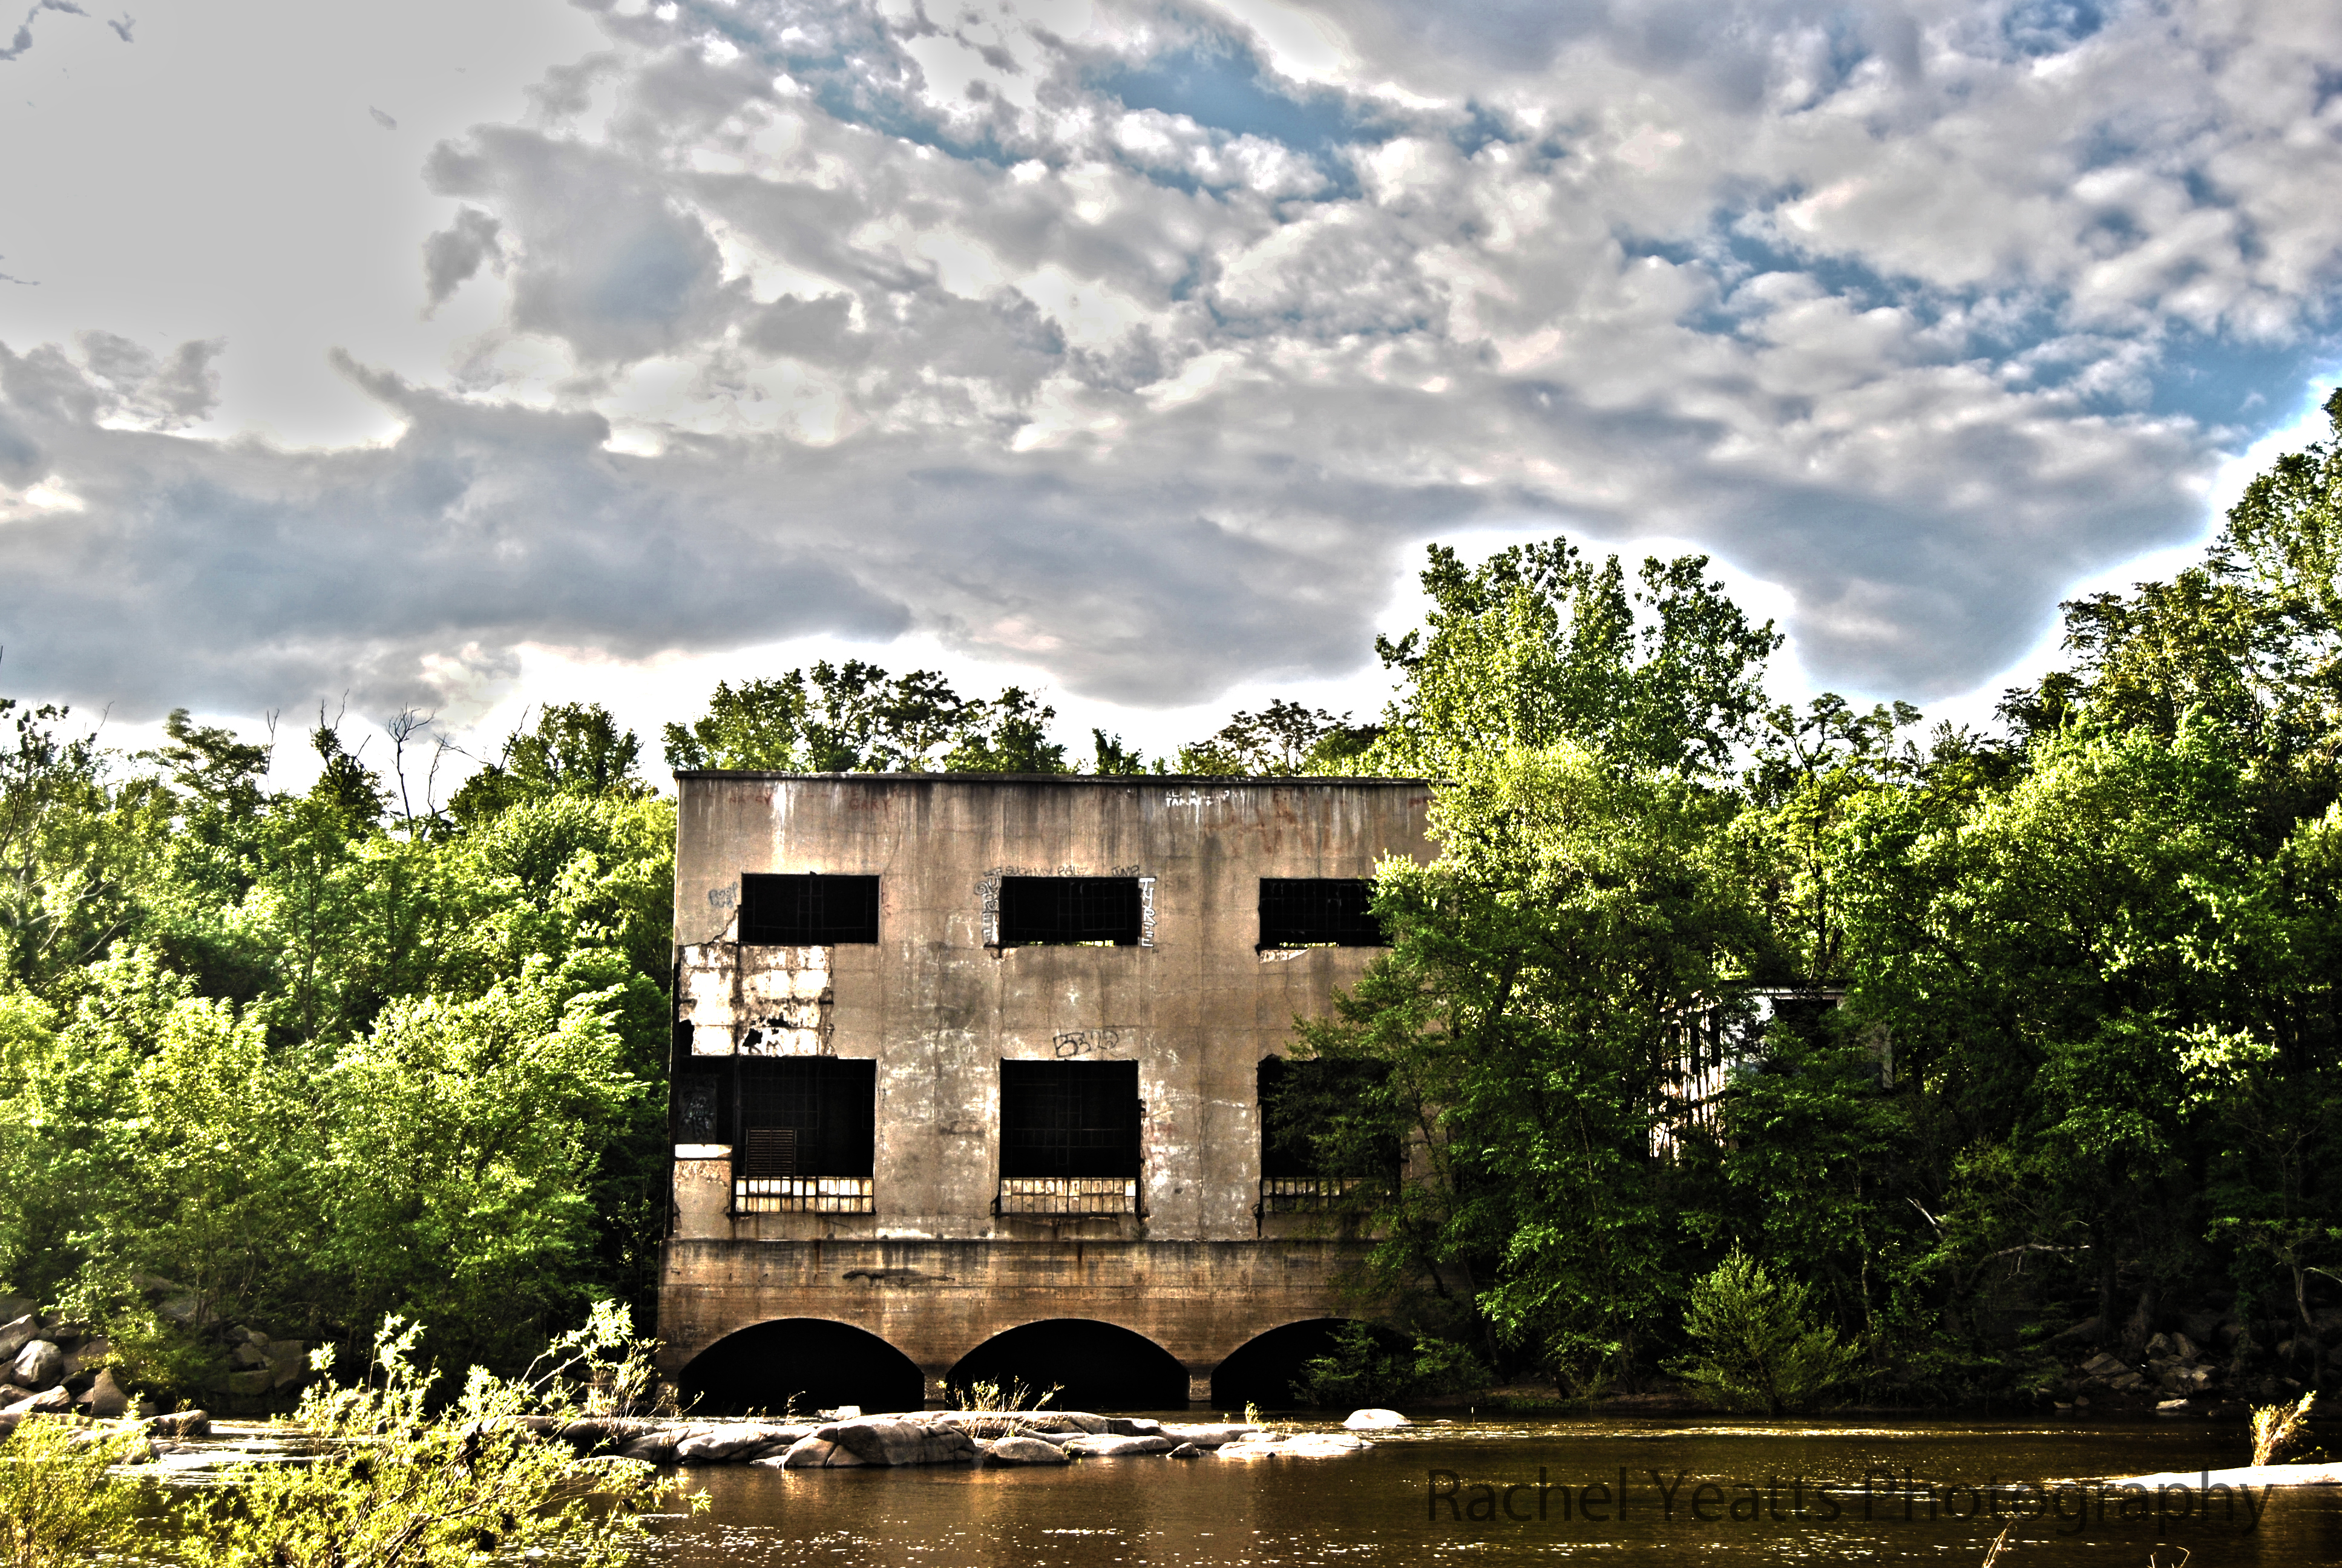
x=1262, y=1370
x=820, y=1364
x=1093, y=1365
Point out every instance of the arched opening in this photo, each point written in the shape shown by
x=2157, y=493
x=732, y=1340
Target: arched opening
x=818, y=1363
x=1094, y=1365
x=1264, y=1368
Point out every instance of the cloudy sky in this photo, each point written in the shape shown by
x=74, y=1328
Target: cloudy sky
x=468, y=354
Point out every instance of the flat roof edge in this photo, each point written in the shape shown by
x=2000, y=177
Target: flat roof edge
x=1224, y=779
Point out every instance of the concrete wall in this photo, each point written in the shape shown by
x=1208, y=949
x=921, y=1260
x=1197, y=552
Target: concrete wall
x=938, y=1010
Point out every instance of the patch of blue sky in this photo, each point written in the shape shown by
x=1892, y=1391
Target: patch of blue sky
x=2039, y=27
x=2232, y=386
x=1480, y=129
x=1228, y=91
x=1733, y=251
x=842, y=71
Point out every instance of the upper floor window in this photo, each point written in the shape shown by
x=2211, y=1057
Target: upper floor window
x=1071, y=910
x=1319, y=912
x=810, y=910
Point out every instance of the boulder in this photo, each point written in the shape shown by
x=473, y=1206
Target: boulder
x=287, y=1363
x=1133, y=1426
x=1300, y=1445
x=1025, y=1451
x=186, y=1309
x=1113, y=1447
x=1375, y=1420
x=728, y=1444
x=1064, y=1421
x=1189, y=1451
x=248, y=1355
x=2183, y=1348
x=587, y=1434
x=140, y=1449
x=18, y=1332
x=38, y=1365
x=106, y=1399
x=2105, y=1366
x=893, y=1440
x=651, y=1448
x=248, y=1385
x=14, y=1307
x=1208, y=1437
x=182, y=1423
x=2171, y=1407
x=54, y=1399
x=816, y=1454
x=87, y=1352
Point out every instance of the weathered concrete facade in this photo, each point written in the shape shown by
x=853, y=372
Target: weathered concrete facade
x=938, y=1003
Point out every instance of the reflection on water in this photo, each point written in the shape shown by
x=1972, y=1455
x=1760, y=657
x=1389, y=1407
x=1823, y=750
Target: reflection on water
x=1412, y=1498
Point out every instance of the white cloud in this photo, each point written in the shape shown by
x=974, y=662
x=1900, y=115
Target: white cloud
x=1139, y=347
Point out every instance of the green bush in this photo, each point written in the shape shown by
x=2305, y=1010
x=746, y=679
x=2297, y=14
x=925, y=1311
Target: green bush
x=395, y=1486
x=1754, y=1343
x=59, y=1502
x=1378, y=1367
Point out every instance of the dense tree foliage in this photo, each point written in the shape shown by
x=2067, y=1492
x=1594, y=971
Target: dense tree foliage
x=1985, y=1042
x=304, y=1060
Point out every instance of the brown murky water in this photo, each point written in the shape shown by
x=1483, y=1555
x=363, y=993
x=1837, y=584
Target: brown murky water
x=1519, y=1492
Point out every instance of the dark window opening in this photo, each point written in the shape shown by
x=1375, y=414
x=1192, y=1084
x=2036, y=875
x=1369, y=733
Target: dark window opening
x=815, y=1114
x=1314, y=1120
x=699, y=1107
x=1318, y=911
x=1069, y=1119
x=808, y=911
x=1070, y=909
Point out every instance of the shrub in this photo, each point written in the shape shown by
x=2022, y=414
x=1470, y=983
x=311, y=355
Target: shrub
x=394, y=1486
x=2276, y=1428
x=59, y=1502
x=1754, y=1343
x=1372, y=1367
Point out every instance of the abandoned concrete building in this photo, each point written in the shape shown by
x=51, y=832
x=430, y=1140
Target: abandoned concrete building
x=968, y=1081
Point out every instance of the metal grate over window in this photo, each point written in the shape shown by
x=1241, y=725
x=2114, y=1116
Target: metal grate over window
x=768, y=1153
x=1069, y=1119
x=820, y=1112
x=812, y=910
x=1318, y=911
x=1036, y=910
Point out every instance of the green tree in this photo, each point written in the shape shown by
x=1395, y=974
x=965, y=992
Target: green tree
x=1537, y=973
x=1283, y=739
x=1536, y=645
x=1754, y=1342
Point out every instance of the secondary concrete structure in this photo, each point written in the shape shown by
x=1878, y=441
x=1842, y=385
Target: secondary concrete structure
x=958, y=1054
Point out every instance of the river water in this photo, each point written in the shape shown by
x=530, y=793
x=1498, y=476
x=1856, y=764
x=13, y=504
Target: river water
x=1490, y=1492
